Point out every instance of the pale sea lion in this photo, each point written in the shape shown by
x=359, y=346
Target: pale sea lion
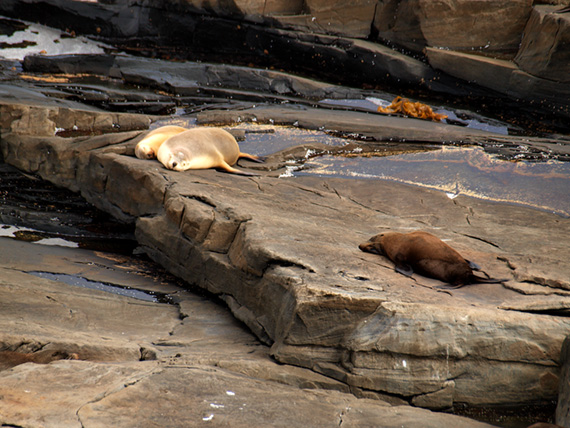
x=427, y=255
x=147, y=148
x=202, y=148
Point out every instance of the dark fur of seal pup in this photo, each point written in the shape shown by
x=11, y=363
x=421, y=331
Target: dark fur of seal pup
x=427, y=255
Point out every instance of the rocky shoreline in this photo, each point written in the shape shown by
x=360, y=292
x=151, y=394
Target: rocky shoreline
x=513, y=57
x=282, y=254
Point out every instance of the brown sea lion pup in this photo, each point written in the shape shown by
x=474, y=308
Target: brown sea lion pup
x=427, y=255
x=147, y=148
x=203, y=148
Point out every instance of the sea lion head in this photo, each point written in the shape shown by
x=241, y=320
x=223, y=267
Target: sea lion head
x=176, y=160
x=373, y=245
x=143, y=151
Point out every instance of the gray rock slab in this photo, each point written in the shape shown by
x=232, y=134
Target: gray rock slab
x=334, y=40
x=204, y=362
x=384, y=128
x=273, y=248
x=283, y=254
x=546, y=31
x=198, y=395
x=51, y=396
x=26, y=111
x=502, y=76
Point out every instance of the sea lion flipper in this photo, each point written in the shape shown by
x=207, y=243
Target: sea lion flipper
x=251, y=157
x=473, y=266
x=477, y=279
x=228, y=168
x=404, y=269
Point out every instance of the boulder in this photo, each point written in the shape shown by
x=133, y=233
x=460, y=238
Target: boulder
x=544, y=51
x=272, y=248
x=491, y=26
x=504, y=77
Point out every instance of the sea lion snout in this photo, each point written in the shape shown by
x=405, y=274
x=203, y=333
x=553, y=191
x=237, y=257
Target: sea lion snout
x=373, y=245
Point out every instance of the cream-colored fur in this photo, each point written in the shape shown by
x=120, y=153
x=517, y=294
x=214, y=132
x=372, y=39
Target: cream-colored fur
x=148, y=147
x=202, y=148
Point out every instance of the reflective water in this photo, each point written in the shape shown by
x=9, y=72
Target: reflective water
x=79, y=281
x=32, y=38
x=461, y=170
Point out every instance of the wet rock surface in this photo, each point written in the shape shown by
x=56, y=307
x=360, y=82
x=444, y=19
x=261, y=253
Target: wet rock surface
x=351, y=44
x=281, y=253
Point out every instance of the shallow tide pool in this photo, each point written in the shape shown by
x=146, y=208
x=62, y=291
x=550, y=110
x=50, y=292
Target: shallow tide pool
x=457, y=171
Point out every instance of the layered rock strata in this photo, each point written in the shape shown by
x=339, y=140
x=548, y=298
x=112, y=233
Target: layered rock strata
x=342, y=41
x=284, y=256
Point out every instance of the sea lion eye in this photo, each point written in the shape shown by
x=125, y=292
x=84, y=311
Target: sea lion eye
x=174, y=164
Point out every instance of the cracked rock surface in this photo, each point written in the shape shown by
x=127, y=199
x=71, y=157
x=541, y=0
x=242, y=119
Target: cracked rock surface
x=139, y=363
x=282, y=253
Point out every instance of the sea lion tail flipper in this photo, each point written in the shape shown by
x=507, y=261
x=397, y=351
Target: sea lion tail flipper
x=254, y=158
x=473, y=266
x=481, y=280
x=233, y=170
x=404, y=269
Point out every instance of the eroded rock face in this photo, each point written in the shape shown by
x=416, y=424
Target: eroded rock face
x=563, y=409
x=284, y=253
x=334, y=40
x=71, y=356
x=346, y=18
x=494, y=26
x=546, y=31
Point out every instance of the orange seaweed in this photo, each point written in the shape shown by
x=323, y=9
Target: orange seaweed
x=417, y=109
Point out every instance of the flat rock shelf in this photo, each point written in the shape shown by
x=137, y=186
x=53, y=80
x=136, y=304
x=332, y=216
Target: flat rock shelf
x=283, y=254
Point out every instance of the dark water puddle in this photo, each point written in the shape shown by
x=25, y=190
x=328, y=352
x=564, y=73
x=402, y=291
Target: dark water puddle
x=100, y=243
x=468, y=171
x=35, y=210
x=80, y=281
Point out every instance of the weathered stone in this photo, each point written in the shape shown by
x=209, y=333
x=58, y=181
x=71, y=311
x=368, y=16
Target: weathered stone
x=544, y=50
x=493, y=26
x=32, y=116
x=283, y=7
x=563, y=408
x=378, y=127
x=278, y=252
x=501, y=76
x=149, y=187
x=349, y=19
x=253, y=32
x=489, y=72
x=202, y=356
x=200, y=394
